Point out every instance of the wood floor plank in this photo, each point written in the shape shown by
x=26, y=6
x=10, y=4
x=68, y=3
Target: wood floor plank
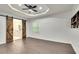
x=36, y=46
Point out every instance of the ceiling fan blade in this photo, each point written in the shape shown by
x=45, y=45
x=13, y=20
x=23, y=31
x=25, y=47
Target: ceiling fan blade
x=35, y=10
x=34, y=6
x=26, y=5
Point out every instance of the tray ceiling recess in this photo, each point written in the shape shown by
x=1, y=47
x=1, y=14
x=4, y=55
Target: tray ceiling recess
x=30, y=9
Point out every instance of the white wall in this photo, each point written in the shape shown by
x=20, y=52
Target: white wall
x=17, y=29
x=2, y=29
x=52, y=28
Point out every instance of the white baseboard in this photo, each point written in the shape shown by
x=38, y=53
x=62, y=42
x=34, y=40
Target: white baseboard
x=43, y=38
x=76, y=49
x=2, y=43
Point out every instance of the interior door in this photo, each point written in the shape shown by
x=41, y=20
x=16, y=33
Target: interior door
x=23, y=29
x=9, y=29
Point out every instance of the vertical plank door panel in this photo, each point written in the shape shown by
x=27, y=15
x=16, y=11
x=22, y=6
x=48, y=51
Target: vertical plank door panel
x=9, y=29
x=23, y=29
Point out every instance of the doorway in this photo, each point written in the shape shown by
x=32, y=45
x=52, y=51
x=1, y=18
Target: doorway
x=17, y=29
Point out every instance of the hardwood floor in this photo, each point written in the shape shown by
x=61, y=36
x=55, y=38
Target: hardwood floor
x=36, y=46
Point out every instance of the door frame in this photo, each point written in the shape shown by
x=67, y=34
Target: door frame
x=23, y=29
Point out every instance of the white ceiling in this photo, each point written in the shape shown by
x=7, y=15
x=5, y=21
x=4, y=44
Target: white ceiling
x=53, y=9
x=30, y=12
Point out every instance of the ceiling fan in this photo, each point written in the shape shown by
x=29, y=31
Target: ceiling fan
x=31, y=7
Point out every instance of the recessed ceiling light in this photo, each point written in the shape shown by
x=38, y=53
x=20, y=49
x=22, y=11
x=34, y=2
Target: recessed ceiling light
x=40, y=8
